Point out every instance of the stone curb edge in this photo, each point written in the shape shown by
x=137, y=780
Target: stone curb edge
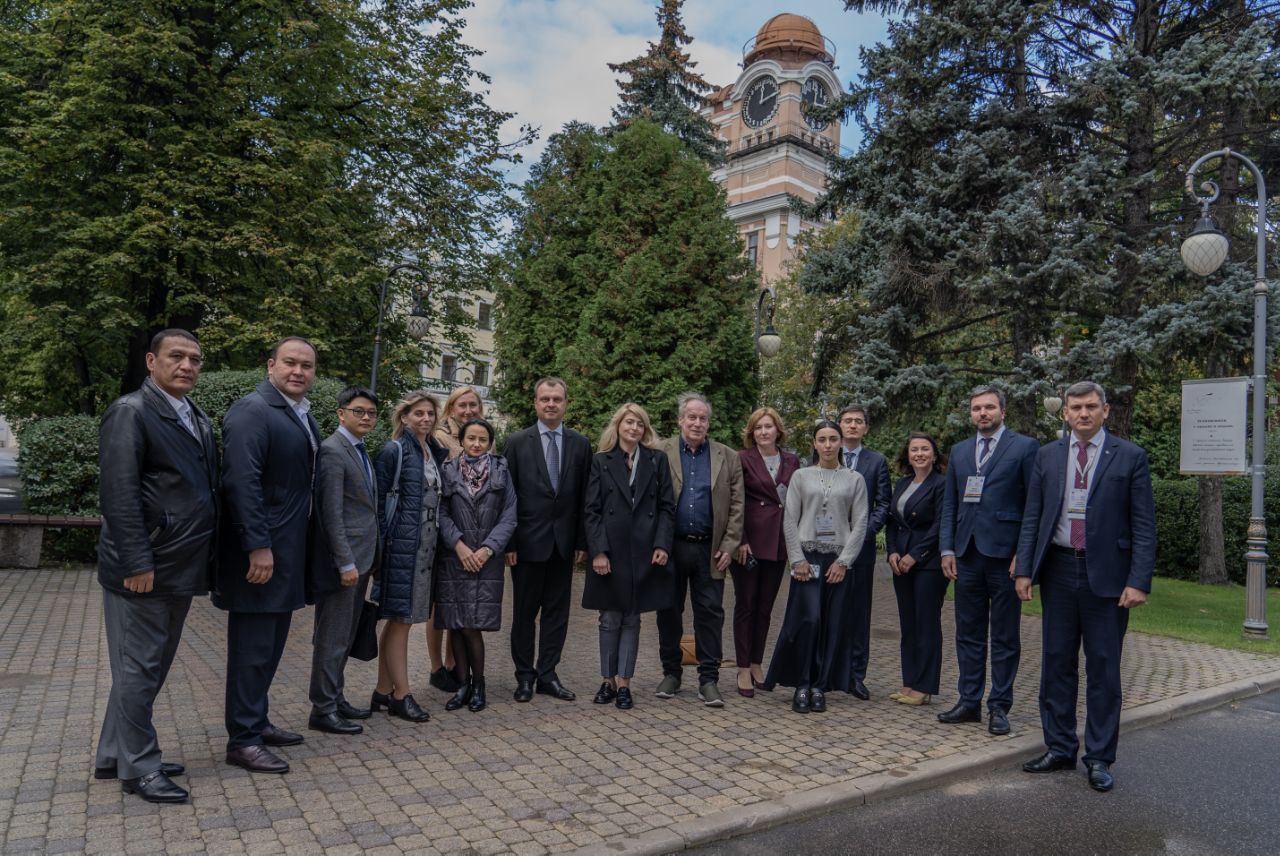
x=895, y=783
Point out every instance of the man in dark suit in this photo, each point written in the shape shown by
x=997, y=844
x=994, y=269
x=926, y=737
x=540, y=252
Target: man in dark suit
x=345, y=553
x=269, y=442
x=1089, y=539
x=159, y=500
x=986, y=488
x=874, y=470
x=549, y=465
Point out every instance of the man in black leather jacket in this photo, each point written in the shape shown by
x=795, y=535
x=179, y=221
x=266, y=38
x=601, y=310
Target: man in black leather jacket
x=159, y=499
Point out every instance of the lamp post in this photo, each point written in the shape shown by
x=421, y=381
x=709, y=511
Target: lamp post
x=1203, y=251
x=1053, y=407
x=419, y=323
x=768, y=342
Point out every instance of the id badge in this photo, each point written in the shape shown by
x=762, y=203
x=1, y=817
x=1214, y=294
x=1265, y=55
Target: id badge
x=824, y=526
x=1077, y=501
x=973, y=488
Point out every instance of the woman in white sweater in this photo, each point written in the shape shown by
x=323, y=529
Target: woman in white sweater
x=824, y=524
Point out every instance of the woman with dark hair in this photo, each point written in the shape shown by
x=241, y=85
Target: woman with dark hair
x=762, y=556
x=408, y=469
x=477, y=520
x=824, y=524
x=911, y=539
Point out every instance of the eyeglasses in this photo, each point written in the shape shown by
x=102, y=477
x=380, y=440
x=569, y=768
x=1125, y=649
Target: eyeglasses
x=361, y=413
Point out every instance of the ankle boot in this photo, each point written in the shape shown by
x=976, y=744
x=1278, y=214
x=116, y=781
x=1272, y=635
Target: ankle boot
x=407, y=709
x=460, y=698
x=477, y=695
x=379, y=700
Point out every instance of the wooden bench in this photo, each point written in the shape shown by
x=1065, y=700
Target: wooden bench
x=22, y=535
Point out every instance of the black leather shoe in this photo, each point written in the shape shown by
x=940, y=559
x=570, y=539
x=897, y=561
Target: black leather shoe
x=800, y=700
x=606, y=694
x=378, y=701
x=460, y=699
x=350, y=711
x=1100, y=778
x=817, y=700
x=257, y=759
x=478, y=701
x=960, y=713
x=524, y=691
x=997, y=721
x=1049, y=763
x=332, y=723
x=553, y=687
x=859, y=690
x=407, y=708
x=624, y=700
x=273, y=736
x=112, y=773
x=445, y=680
x=157, y=788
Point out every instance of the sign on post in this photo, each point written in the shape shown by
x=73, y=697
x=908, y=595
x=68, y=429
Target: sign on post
x=1214, y=427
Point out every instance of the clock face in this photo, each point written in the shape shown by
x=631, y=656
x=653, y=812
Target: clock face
x=761, y=102
x=814, y=96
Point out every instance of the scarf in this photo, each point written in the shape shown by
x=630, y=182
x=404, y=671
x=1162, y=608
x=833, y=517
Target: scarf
x=475, y=473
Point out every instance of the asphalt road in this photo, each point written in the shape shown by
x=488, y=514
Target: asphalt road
x=10, y=496
x=1203, y=785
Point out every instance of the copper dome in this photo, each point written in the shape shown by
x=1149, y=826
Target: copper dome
x=788, y=33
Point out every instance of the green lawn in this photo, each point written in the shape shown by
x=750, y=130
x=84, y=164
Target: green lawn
x=1187, y=610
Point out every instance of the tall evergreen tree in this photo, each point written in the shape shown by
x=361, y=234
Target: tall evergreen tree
x=662, y=87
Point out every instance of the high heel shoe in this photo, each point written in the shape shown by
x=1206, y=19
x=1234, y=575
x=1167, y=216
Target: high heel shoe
x=407, y=709
x=378, y=701
x=478, y=702
x=460, y=698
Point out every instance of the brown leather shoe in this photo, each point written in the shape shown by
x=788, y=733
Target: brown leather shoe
x=257, y=759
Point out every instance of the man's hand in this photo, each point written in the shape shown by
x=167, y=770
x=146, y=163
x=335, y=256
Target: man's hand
x=949, y=567
x=1013, y=567
x=659, y=557
x=836, y=572
x=1022, y=585
x=722, y=560
x=140, y=583
x=600, y=564
x=261, y=565
x=906, y=563
x=349, y=577
x=511, y=558
x=893, y=563
x=1131, y=597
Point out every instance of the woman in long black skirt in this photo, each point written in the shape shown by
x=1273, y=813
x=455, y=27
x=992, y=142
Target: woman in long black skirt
x=824, y=524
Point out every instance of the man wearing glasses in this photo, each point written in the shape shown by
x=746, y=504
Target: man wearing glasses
x=344, y=553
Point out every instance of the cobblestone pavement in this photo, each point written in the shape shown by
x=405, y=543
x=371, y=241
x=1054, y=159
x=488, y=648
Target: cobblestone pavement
x=548, y=776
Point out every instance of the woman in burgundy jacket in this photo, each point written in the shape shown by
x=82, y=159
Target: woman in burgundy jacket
x=761, y=558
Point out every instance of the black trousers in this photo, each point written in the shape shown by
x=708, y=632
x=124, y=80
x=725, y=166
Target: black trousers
x=985, y=597
x=920, y=597
x=858, y=616
x=255, y=642
x=546, y=588
x=142, y=639
x=692, y=572
x=1073, y=615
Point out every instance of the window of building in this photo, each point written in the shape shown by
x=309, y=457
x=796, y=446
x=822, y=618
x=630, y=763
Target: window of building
x=482, y=374
x=485, y=319
x=448, y=368
x=753, y=248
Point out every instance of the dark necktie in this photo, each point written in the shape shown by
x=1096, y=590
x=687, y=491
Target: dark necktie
x=553, y=461
x=848, y=459
x=986, y=452
x=368, y=468
x=1077, y=525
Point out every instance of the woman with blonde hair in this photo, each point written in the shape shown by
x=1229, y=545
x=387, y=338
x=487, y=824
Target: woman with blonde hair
x=761, y=558
x=462, y=405
x=630, y=520
x=408, y=475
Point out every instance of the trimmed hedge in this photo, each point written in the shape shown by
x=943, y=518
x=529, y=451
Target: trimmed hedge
x=1178, y=526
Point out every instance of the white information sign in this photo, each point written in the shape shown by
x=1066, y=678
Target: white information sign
x=1215, y=427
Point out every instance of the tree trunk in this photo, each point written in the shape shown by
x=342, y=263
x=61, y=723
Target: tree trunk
x=1213, y=558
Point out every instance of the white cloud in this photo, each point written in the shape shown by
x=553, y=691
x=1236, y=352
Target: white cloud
x=548, y=59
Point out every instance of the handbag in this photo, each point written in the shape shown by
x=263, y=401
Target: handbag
x=688, y=650
x=392, y=501
x=365, y=645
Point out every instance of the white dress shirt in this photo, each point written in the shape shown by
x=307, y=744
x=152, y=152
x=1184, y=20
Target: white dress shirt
x=1062, y=533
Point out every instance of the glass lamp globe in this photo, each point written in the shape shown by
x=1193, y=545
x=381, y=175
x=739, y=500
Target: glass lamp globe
x=1205, y=249
x=1052, y=404
x=419, y=325
x=769, y=342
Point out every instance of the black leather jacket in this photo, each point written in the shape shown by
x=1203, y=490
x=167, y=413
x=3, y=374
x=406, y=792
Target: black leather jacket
x=158, y=493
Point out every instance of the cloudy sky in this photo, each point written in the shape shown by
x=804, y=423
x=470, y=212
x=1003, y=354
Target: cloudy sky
x=548, y=58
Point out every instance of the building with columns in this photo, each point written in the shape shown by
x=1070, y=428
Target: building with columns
x=776, y=150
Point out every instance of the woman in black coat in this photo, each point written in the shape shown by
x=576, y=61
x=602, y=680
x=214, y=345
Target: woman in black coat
x=630, y=520
x=911, y=538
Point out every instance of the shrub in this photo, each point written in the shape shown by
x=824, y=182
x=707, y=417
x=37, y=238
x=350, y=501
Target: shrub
x=1178, y=526
x=58, y=466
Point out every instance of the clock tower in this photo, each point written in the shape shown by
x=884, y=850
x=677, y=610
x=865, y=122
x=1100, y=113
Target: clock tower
x=776, y=149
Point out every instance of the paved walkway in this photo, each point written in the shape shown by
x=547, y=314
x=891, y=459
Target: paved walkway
x=534, y=778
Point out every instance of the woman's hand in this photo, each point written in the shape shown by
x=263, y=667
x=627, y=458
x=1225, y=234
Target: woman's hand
x=600, y=564
x=836, y=572
x=907, y=562
x=893, y=563
x=472, y=560
x=659, y=557
x=802, y=571
x=740, y=554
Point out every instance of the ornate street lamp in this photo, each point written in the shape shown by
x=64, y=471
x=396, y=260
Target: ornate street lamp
x=1204, y=251
x=768, y=342
x=1053, y=406
x=419, y=323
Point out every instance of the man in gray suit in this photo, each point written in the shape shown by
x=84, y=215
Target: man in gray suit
x=344, y=554
x=159, y=495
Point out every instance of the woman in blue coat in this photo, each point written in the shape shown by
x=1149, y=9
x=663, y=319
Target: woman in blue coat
x=408, y=469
